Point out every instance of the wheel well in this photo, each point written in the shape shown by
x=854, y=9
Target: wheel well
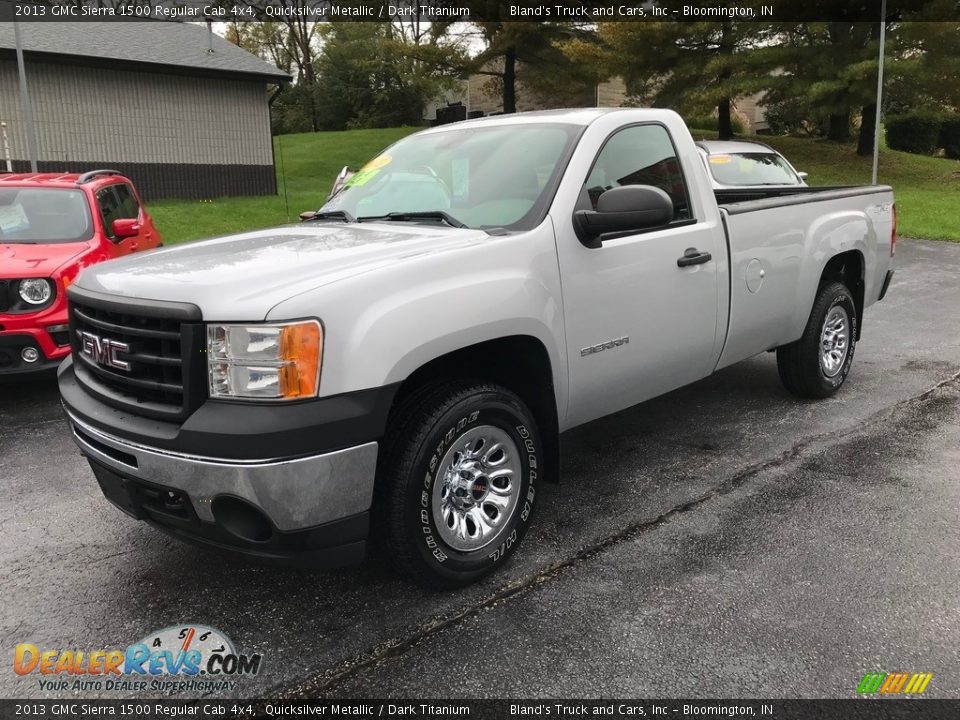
x=848, y=268
x=519, y=363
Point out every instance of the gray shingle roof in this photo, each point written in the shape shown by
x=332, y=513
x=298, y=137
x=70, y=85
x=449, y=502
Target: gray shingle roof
x=180, y=46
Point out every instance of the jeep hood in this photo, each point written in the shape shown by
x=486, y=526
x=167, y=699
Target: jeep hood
x=31, y=260
x=244, y=276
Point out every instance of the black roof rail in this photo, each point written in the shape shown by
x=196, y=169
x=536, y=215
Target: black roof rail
x=88, y=176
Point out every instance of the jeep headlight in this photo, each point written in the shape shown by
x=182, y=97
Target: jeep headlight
x=265, y=362
x=36, y=291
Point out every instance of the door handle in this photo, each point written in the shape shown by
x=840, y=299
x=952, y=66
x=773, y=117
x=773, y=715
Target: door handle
x=692, y=256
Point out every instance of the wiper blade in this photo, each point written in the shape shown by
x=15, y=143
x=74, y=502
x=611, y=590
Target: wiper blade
x=341, y=215
x=440, y=215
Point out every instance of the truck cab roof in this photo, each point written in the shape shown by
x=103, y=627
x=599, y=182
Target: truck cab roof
x=570, y=116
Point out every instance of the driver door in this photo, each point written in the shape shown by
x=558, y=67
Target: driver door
x=638, y=325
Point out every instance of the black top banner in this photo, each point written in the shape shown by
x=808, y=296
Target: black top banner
x=571, y=709
x=569, y=11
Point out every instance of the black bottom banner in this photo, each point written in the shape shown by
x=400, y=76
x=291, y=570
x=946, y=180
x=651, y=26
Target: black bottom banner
x=865, y=709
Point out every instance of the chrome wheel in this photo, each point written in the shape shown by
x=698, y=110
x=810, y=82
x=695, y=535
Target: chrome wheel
x=834, y=341
x=476, y=488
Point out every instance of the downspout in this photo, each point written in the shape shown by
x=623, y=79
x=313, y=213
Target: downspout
x=273, y=148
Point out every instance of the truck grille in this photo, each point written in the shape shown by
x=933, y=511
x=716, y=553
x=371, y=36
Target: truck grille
x=164, y=364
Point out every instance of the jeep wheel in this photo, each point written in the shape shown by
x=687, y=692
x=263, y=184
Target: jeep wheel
x=816, y=365
x=457, y=480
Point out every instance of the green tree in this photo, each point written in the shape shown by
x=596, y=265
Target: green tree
x=290, y=44
x=830, y=68
x=530, y=54
x=372, y=75
x=694, y=67
x=926, y=73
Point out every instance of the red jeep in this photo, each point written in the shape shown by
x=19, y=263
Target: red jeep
x=51, y=226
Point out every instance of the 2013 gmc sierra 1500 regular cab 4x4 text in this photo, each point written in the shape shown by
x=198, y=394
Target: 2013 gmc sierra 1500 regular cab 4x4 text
x=401, y=366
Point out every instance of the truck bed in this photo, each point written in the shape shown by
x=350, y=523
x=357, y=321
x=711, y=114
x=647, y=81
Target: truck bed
x=774, y=240
x=748, y=200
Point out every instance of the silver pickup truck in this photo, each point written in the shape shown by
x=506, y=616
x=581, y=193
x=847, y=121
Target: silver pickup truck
x=401, y=366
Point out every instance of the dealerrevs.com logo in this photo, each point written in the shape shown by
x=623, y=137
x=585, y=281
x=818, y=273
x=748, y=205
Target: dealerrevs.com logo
x=192, y=658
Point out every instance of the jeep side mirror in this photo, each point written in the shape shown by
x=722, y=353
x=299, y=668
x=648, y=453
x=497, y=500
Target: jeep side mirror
x=803, y=176
x=622, y=209
x=125, y=227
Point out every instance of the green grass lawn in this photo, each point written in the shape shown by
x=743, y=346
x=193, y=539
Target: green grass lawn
x=927, y=189
x=308, y=161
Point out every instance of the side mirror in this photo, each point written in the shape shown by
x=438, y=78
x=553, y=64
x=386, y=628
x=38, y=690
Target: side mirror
x=621, y=209
x=803, y=176
x=125, y=227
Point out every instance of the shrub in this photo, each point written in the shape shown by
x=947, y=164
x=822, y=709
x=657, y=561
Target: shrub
x=711, y=122
x=787, y=117
x=916, y=132
x=950, y=136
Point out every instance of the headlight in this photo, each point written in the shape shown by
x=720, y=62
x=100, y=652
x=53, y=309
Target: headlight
x=36, y=291
x=265, y=362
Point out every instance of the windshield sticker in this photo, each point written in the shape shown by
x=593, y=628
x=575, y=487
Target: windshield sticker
x=460, y=169
x=361, y=178
x=12, y=217
x=369, y=171
x=378, y=162
x=720, y=159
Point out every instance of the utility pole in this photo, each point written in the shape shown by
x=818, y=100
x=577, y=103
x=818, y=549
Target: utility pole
x=876, y=125
x=25, y=100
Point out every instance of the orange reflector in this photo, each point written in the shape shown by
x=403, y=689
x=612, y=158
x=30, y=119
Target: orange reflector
x=301, y=350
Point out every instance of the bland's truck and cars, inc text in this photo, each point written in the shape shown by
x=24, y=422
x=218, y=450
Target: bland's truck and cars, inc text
x=400, y=366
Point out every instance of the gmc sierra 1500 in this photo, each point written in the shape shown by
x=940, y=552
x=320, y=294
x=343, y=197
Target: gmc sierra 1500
x=402, y=364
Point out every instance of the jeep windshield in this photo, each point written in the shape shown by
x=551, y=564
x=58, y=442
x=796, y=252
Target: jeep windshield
x=502, y=176
x=44, y=215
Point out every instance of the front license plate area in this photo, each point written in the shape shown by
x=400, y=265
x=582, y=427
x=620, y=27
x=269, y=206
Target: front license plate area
x=118, y=490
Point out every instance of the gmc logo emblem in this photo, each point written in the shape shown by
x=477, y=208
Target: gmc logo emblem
x=104, y=351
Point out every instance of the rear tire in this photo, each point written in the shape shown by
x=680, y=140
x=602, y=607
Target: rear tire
x=816, y=365
x=457, y=481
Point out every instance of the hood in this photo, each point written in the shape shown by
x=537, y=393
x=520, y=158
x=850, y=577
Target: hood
x=241, y=277
x=22, y=260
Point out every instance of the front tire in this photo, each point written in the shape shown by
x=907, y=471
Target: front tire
x=816, y=365
x=457, y=482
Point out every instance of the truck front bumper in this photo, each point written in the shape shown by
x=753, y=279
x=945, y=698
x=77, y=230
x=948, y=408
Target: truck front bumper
x=311, y=510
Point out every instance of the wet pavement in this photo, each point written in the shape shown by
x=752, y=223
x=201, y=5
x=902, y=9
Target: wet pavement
x=724, y=540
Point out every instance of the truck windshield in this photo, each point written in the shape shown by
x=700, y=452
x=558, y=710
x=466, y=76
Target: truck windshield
x=499, y=176
x=43, y=215
x=760, y=168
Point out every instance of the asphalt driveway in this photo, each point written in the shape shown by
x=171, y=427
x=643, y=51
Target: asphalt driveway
x=723, y=540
